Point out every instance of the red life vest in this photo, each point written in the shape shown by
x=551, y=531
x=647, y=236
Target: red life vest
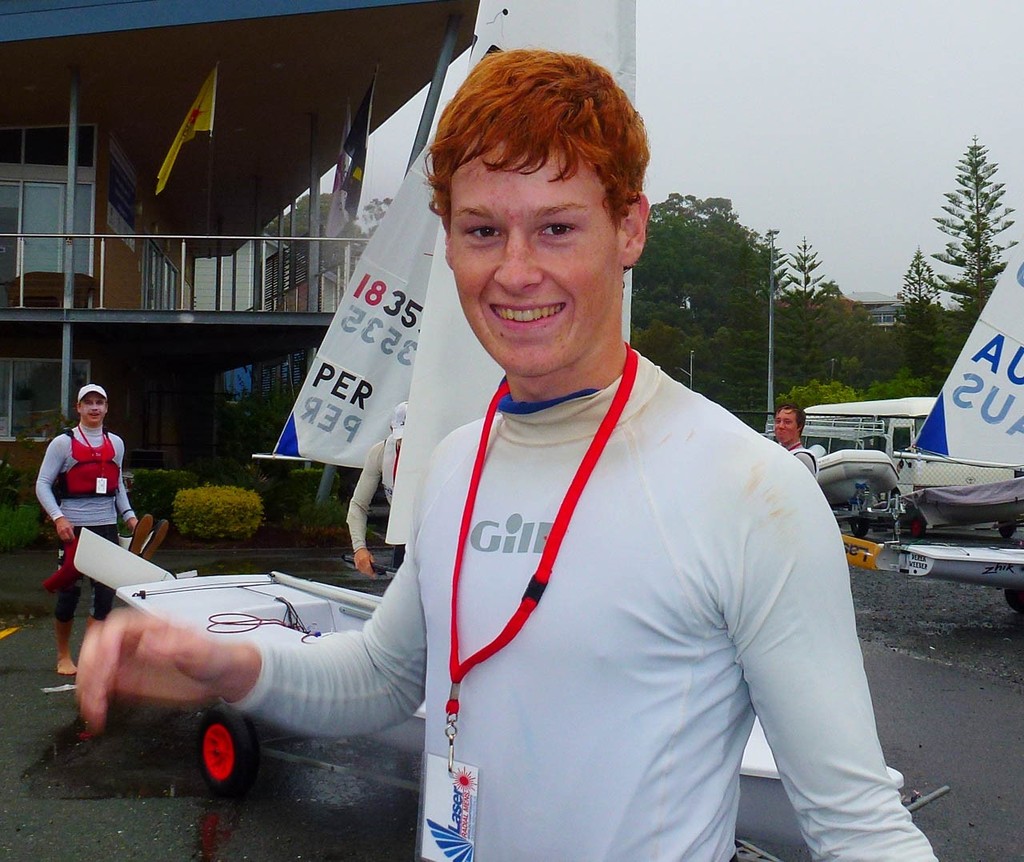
x=90, y=465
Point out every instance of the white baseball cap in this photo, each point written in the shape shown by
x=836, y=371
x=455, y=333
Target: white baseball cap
x=398, y=420
x=91, y=387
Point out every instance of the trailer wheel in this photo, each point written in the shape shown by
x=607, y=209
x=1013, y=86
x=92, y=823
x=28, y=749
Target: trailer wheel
x=918, y=527
x=1007, y=530
x=229, y=751
x=1015, y=599
x=860, y=527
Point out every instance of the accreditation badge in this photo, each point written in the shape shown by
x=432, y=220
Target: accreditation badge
x=101, y=484
x=448, y=815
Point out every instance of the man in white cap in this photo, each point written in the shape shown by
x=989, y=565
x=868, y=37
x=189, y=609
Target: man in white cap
x=380, y=468
x=80, y=484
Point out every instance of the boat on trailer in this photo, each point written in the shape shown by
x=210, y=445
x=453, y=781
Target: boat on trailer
x=998, y=503
x=279, y=608
x=848, y=475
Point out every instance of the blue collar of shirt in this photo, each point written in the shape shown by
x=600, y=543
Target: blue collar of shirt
x=523, y=408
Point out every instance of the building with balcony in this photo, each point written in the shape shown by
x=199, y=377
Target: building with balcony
x=156, y=297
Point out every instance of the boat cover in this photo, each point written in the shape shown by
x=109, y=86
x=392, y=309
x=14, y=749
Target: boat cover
x=989, y=494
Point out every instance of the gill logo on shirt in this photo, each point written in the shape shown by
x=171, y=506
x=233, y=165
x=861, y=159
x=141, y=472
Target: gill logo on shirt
x=515, y=536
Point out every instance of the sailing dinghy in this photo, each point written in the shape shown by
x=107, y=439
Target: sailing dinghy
x=280, y=608
x=976, y=423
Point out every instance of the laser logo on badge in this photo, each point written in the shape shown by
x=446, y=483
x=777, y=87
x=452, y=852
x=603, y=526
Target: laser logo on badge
x=453, y=839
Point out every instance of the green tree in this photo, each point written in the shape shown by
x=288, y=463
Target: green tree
x=818, y=392
x=903, y=385
x=704, y=276
x=806, y=316
x=920, y=326
x=667, y=347
x=974, y=217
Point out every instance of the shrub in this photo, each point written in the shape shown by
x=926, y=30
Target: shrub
x=10, y=484
x=218, y=512
x=19, y=526
x=251, y=423
x=153, y=491
x=321, y=524
x=297, y=488
x=226, y=471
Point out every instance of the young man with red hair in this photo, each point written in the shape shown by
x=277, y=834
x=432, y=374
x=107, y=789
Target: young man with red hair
x=603, y=582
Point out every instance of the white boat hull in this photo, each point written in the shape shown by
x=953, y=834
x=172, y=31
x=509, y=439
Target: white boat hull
x=855, y=474
x=232, y=605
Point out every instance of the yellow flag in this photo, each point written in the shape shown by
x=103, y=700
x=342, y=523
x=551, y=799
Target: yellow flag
x=198, y=119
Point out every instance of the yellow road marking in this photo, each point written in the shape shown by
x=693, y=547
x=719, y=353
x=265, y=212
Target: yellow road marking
x=10, y=631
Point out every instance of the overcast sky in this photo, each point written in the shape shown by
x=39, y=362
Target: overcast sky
x=838, y=120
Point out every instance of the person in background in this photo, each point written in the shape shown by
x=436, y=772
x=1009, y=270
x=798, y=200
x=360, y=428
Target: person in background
x=80, y=484
x=380, y=468
x=789, y=430
x=606, y=577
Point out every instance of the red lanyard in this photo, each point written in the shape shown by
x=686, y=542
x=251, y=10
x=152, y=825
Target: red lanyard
x=539, y=581
x=96, y=453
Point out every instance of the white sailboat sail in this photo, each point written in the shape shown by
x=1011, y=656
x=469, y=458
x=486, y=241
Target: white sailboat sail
x=979, y=414
x=454, y=378
x=364, y=366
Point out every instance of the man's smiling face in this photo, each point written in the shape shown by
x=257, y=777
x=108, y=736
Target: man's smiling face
x=538, y=263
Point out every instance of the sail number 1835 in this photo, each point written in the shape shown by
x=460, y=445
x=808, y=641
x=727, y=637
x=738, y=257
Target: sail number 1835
x=374, y=292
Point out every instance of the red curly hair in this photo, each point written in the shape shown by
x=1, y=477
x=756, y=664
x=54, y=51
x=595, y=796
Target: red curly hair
x=518, y=109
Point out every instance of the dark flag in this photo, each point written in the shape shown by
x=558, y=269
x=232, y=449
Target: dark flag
x=355, y=148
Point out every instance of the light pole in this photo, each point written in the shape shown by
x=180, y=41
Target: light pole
x=689, y=374
x=771, y=322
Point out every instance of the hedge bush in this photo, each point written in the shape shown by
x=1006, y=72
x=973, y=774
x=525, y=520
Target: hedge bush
x=321, y=524
x=286, y=496
x=218, y=512
x=10, y=484
x=153, y=491
x=19, y=526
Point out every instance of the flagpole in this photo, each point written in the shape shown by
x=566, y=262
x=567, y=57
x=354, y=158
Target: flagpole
x=209, y=158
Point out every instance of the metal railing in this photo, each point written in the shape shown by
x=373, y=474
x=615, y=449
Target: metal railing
x=174, y=272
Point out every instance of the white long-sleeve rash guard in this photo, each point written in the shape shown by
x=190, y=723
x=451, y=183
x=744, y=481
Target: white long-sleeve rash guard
x=702, y=578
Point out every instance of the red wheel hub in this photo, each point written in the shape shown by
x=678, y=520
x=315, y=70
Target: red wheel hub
x=218, y=752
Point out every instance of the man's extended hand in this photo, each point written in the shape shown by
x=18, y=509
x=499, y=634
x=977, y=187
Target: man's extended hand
x=134, y=655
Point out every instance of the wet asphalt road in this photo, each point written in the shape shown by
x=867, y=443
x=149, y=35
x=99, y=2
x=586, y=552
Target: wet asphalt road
x=943, y=660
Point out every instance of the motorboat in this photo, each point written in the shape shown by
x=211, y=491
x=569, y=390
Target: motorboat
x=847, y=476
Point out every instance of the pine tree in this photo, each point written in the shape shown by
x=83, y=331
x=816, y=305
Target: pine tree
x=800, y=279
x=920, y=329
x=807, y=324
x=974, y=218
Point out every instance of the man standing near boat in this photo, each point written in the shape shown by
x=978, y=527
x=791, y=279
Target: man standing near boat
x=589, y=688
x=789, y=431
x=83, y=466
x=381, y=468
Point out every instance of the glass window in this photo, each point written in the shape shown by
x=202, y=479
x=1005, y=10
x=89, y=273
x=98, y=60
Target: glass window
x=8, y=224
x=33, y=405
x=5, y=399
x=49, y=146
x=10, y=146
x=46, y=146
x=43, y=213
